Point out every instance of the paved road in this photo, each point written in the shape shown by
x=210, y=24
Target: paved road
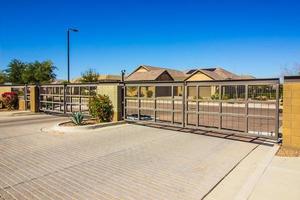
x=121, y=162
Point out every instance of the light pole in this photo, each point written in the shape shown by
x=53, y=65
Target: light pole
x=68, y=40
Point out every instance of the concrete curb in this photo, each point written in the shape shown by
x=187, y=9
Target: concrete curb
x=253, y=179
x=241, y=181
x=57, y=127
x=24, y=113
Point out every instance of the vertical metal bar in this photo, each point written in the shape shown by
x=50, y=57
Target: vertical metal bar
x=139, y=102
x=25, y=96
x=79, y=99
x=184, y=101
x=220, y=107
x=246, y=109
x=64, y=101
x=172, y=96
x=71, y=97
x=124, y=102
x=197, y=105
x=277, y=112
x=60, y=94
x=155, y=106
x=52, y=95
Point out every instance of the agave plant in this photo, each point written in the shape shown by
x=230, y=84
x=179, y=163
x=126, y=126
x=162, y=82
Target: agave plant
x=77, y=118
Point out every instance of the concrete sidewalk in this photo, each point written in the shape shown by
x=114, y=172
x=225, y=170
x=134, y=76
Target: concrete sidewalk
x=280, y=181
x=260, y=176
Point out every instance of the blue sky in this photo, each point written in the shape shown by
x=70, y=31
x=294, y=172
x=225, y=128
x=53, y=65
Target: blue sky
x=246, y=37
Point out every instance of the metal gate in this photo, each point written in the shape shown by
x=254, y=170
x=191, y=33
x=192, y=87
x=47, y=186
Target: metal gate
x=59, y=98
x=248, y=107
x=23, y=92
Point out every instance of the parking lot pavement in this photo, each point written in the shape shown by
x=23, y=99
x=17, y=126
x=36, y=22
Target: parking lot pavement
x=21, y=125
x=120, y=162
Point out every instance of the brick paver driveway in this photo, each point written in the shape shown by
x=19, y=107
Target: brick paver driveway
x=121, y=162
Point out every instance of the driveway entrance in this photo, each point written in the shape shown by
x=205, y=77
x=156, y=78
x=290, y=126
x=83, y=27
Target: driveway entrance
x=120, y=162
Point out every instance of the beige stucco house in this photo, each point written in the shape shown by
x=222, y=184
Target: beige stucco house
x=150, y=73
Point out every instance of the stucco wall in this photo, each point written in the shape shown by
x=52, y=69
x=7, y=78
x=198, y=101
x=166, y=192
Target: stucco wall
x=291, y=115
x=114, y=93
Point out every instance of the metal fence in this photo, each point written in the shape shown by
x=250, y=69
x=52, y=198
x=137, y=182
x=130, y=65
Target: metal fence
x=69, y=98
x=248, y=107
x=23, y=92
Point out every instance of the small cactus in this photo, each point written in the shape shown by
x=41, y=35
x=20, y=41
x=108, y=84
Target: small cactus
x=77, y=118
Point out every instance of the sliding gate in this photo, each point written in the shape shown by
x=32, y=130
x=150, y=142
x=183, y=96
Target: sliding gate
x=248, y=107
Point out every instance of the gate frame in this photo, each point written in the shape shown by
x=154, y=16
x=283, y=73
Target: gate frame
x=185, y=84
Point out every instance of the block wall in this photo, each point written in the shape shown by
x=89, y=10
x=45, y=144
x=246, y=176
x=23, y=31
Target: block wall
x=291, y=115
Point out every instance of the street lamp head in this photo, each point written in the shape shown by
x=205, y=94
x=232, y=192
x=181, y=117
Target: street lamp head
x=73, y=29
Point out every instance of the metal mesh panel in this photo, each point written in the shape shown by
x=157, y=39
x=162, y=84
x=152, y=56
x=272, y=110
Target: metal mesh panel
x=209, y=120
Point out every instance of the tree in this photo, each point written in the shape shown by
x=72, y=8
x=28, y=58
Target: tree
x=89, y=76
x=30, y=73
x=3, y=77
x=291, y=71
x=15, y=70
x=44, y=71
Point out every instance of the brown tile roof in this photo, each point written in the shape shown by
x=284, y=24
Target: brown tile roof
x=153, y=73
x=176, y=74
x=216, y=73
x=145, y=76
x=226, y=74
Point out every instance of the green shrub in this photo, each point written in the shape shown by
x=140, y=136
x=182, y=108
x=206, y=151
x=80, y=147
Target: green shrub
x=215, y=96
x=77, y=118
x=101, y=108
x=149, y=93
x=225, y=97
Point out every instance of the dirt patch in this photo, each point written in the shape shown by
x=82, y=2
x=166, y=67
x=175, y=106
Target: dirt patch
x=84, y=123
x=288, y=152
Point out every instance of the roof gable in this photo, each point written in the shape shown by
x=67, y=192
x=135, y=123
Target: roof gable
x=164, y=76
x=198, y=76
x=152, y=73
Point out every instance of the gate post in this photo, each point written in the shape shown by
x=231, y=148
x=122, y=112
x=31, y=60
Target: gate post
x=246, y=109
x=34, y=98
x=25, y=97
x=291, y=112
x=184, y=97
